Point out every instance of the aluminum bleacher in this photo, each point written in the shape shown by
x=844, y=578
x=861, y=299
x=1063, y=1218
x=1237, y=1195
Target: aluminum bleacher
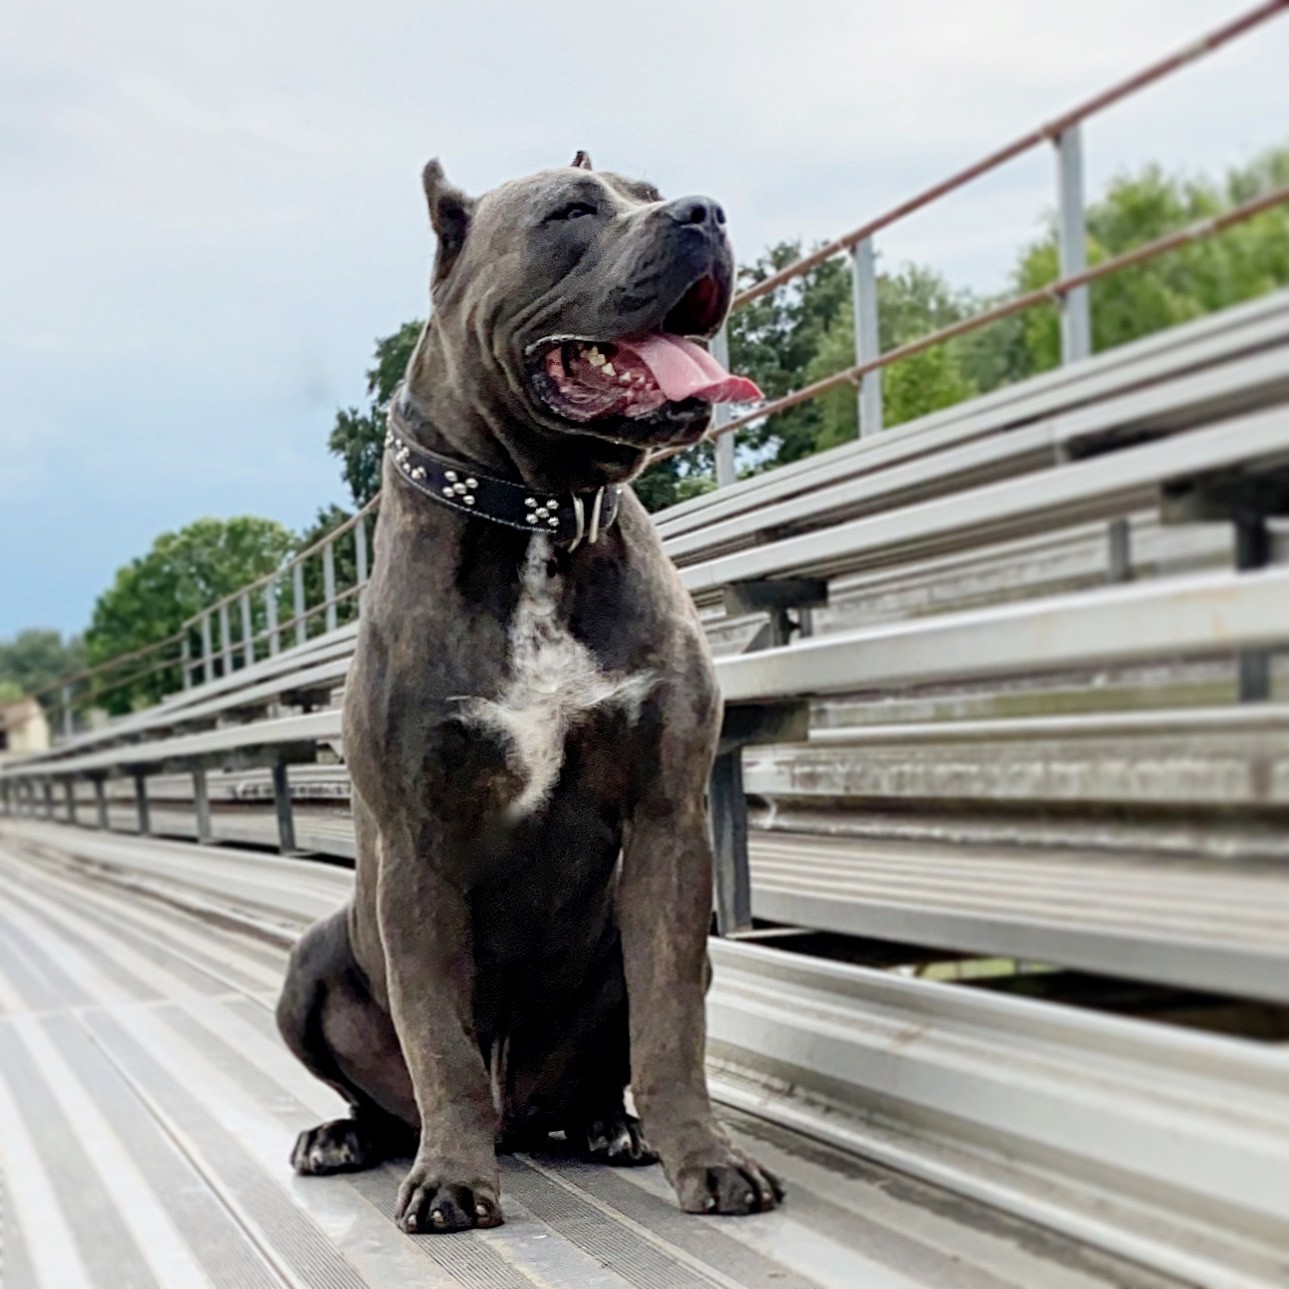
x=1001, y=813
x=996, y=992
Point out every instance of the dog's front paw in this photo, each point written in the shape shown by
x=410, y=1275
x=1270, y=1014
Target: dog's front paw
x=437, y=1198
x=725, y=1180
x=616, y=1139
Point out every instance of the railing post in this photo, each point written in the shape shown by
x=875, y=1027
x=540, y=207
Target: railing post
x=69, y=789
x=868, y=340
x=207, y=660
x=729, y=844
x=49, y=798
x=282, y=803
x=329, y=582
x=726, y=473
x=270, y=611
x=141, y=803
x=201, y=804
x=100, y=802
x=225, y=638
x=67, y=711
x=1072, y=244
x=185, y=659
x=248, y=632
x=1253, y=551
x=360, y=556
x=297, y=583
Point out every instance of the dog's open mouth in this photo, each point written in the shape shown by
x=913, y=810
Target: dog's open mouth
x=634, y=376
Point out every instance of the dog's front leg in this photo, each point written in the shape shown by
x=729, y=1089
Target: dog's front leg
x=665, y=909
x=425, y=926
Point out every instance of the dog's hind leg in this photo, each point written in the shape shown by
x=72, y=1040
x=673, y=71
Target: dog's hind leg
x=329, y=1020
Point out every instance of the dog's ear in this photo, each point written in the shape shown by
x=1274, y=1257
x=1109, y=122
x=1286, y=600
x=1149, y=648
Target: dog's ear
x=450, y=212
x=582, y=161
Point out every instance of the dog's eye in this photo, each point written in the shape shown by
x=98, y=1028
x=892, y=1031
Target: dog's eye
x=574, y=210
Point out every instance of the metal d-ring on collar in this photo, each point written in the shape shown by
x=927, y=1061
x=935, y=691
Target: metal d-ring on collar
x=563, y=518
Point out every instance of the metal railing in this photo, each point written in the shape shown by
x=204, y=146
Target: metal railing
x=254, y=621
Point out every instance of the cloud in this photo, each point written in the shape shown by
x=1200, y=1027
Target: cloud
x=211, y=210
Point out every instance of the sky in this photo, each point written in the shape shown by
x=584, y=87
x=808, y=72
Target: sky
x=210, y=210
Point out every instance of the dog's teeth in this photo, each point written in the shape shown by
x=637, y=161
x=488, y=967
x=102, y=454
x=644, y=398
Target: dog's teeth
x=595, y=357
x=608, y=369
x=626, y=378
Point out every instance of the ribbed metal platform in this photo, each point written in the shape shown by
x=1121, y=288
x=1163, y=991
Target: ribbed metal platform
x=147, y=1108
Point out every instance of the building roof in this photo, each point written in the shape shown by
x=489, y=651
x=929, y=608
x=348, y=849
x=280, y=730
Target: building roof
x=19, y=712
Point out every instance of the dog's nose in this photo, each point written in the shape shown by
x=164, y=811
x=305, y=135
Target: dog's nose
x=696, y=210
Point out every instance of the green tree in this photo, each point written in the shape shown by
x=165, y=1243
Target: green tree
x=36, y=658
x=358, y=436
x=1213, y=273
x=184, y=572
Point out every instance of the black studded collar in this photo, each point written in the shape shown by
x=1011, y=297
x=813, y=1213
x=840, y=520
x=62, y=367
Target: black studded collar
x=568, y=518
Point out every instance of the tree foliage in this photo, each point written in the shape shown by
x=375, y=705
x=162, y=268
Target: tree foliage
x=1212, y=273
x=183, y=573
x=36, y=659
x=358, y=435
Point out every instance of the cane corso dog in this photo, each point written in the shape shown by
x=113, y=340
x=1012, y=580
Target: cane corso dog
x=530, y=720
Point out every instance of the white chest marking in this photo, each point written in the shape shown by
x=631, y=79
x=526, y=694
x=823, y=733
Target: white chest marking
x=553, y=678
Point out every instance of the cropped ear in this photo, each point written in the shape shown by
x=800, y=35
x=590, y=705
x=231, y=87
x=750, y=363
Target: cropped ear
x=582, y=161
x=450, y=213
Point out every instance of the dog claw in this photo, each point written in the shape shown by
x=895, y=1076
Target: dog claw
x=428, y=1203
x=727, y=1182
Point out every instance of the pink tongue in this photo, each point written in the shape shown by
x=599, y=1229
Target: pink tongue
x=684, y=370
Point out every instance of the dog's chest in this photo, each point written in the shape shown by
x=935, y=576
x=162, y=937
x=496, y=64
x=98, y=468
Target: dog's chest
x=551, y=681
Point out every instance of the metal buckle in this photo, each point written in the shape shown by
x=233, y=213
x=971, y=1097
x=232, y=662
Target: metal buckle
x=579, y=513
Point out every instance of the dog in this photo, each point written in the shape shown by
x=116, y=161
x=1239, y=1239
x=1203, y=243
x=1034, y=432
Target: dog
x=530, y=721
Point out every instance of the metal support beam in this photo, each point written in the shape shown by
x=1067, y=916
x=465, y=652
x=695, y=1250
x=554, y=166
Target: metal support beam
x=185, y=660
x=1246, y=501
x=141, y=803
x=207, y=661
x=297, y=585
x=201, y=805
x=1253, y=550
x=868, y=340
x=329, y=583
x=282, y=804
x=1119, y=537
x=66, y=699
x=49, y=798
x=726, y=471
x=729, y=844
x=248, y=632
x=100, y=803
x=360, y=556
x=6, y=798
x=69, y=791
x=1072, y=245
x=270, y=609
x=775, y=597
x=225, y=638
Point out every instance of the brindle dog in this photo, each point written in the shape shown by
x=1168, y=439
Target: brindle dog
x=530, y=722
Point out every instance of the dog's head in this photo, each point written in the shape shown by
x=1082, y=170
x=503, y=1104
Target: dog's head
x=579, y=301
